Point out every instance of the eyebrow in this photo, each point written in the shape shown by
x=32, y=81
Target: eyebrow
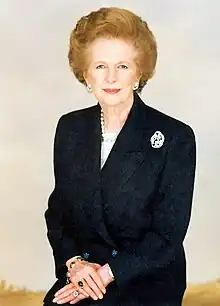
x=116, y=63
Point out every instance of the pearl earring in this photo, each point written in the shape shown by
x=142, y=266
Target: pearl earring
x=135, y=86
x=89, y=88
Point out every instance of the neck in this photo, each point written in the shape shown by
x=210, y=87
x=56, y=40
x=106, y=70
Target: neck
x=115, y=115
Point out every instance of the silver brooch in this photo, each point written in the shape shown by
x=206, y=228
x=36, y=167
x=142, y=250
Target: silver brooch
x=157, y=140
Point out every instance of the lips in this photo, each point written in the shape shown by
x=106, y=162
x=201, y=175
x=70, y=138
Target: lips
x=111, y=91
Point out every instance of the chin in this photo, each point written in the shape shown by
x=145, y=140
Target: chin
x=113, y=99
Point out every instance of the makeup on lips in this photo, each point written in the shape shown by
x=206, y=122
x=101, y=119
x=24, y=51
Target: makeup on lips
x=111, y=91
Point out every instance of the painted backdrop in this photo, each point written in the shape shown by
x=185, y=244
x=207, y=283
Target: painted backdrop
x=36, y=87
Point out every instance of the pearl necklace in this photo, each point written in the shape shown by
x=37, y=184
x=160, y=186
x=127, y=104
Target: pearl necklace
x=103, y=129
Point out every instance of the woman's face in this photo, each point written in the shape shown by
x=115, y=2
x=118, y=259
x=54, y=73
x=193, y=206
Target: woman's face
x=111, y=65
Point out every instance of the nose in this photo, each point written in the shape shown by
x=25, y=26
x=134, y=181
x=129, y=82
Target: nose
x=111, y=75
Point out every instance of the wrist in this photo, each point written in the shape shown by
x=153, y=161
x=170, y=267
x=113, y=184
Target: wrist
x=70, y=265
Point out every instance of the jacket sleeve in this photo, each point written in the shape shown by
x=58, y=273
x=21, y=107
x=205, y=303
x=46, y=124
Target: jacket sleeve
x=170, y=215
x=56, y=214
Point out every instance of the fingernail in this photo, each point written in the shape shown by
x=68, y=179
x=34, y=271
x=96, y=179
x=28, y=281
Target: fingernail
x=100, y=296
x=104, y=291
x=54, y=300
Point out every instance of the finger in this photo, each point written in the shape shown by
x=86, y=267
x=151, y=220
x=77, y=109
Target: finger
x=69, y=286
x=98, y=281
x=83, y=292
x=86, y=288
x=82, y=271
x=77, y=299
x=65, y=296
x=78, y=288
x=92, y=284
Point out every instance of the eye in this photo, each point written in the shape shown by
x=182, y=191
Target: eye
x=124, y=66
x=99, y=66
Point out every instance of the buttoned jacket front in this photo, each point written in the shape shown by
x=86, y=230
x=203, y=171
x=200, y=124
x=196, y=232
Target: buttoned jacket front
x=133, y=213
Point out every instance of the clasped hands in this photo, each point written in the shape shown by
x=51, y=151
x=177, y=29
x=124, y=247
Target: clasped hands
x=95, y=279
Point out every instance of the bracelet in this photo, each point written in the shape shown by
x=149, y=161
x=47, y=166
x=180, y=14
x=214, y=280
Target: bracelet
x=68, y=278
x=72, y=264
x=77, y=258
x=71, y=259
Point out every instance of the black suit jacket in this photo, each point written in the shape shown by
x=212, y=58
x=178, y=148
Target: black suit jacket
x=133, y=213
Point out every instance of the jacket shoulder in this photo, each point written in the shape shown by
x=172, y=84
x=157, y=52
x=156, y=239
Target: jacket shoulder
x=78, y=114
x=170, y=125
x=75, y=120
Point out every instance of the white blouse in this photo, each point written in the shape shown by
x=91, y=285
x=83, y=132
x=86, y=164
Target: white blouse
x=107, y=144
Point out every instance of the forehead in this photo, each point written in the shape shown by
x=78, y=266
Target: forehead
x=111, y=49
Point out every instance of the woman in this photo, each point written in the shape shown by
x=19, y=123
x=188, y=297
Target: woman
x=124, y=176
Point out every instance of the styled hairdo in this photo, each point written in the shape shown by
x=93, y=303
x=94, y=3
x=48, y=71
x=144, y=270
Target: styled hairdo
x=113, y=22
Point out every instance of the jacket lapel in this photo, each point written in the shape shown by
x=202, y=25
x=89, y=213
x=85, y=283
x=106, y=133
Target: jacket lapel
x=128, y=153
x=90, y=161
x=126, y=156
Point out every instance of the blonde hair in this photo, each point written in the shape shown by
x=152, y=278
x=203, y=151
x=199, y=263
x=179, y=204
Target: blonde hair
x=113, y=22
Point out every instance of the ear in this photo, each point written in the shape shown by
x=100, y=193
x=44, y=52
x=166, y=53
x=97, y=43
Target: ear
x=86, y=78
x=139, y=78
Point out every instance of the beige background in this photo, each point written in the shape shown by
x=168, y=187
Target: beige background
x=36, y=87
